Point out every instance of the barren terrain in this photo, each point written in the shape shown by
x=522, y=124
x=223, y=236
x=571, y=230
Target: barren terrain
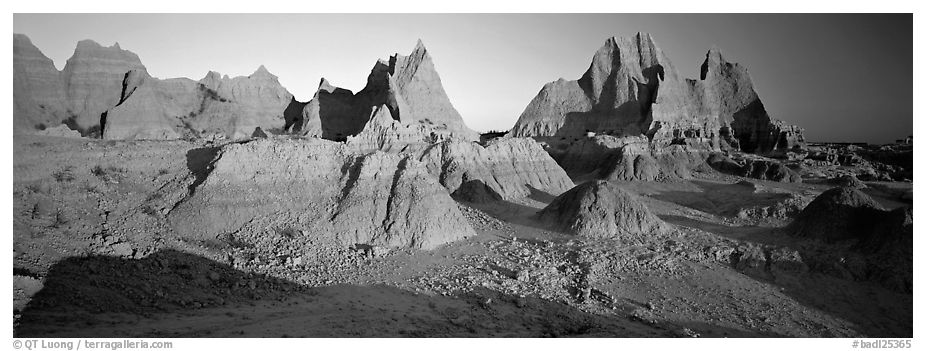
x=95, y=256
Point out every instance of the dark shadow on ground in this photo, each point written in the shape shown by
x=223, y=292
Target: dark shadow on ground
x=874, y=309
x=199, y=162
x=177, y=294
x=540, y=195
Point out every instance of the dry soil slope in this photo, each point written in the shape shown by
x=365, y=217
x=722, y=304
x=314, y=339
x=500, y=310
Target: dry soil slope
x=321, y=188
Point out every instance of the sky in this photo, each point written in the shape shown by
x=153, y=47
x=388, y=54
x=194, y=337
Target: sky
x=843, y=77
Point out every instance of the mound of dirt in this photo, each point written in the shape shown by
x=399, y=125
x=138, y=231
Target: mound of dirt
x=848, y=181
x=601, y=209
x=837, y=214
x=320, y=188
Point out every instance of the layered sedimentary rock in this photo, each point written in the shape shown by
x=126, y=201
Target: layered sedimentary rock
x=39, y=100
x=626, y=158
x=601, y=209
x=93, y=79
x=757, y=168
x=151, y=108
x=410, y=90
x=323, y=189
x=507, y=168
x=644, y=163
x=632, y=88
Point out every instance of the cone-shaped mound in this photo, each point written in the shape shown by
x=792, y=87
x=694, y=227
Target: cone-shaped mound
x=837, y=214
x=601, y=209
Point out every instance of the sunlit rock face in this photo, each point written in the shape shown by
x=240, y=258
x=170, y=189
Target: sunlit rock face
x=632, y=88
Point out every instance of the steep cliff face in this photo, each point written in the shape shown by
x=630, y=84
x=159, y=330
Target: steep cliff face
x=508, y=168
x=407, y=86
x=93, y=79
x=632, y=88
x=323, y=189
x=236, y=106
x=151, y=108
x=726, y=91
x=38, y=92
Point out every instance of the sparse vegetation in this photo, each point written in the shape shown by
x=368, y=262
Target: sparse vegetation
x=289, y=232
x=163, y=171
x=148, y=210
x=65, y=174
x=60, y=220
x=108, y=174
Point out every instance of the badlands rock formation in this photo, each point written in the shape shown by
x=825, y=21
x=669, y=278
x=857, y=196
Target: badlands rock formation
x=757, y=168
x=93, y=79
x=507, y=168
x=151, y=108
x=632, y=88
x=38, y=93
x=601, y=209
x=406, y=89
x=106, y=91
x=323, y=190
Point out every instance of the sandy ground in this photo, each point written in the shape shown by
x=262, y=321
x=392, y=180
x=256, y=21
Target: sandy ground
x=516, y=278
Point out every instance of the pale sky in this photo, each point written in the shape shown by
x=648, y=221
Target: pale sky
x=842, y=77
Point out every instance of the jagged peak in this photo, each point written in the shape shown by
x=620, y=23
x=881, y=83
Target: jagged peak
x=261, y=71
x=419, y=46
x=714, y=54
x=325, y=85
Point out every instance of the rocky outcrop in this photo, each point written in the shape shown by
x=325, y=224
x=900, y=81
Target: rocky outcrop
x=409, y=89
x=632, y=88
x=93, y=79
x=236, y=106
x=601, y=209
x=322, y=189
x=38, y=92
x=625, y=158
x=507, y=168
x=753, y=167
x=60, y=130
x=151, y=108
x=643, y=163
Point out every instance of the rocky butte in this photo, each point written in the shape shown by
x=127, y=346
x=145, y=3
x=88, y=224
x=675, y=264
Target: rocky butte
x=632, y=88
x=403, y=102
x=632, y=112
